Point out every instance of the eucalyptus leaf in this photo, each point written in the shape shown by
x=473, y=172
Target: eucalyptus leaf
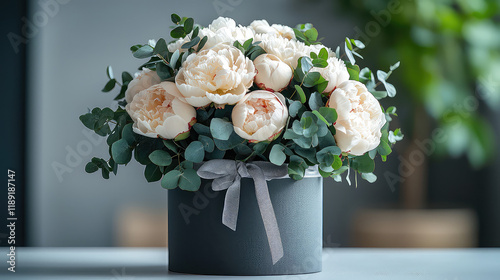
x=188, y=25
x=315, y=101
x=189, y=180
x=276, y=156
x=109, y=72
x=161, y=47
x=220, y=129
x=170, y=145
x=175, y=18
x=294, y=108
x=379, y=94
x=171, y=180
x=323, y=54
x=126, y=77
x=109, y=85
x=370, y=177
x=330, y=114
x=311, y=34
x=384, y=149
x=395, y=66
x=160, y=158
x=121, y=151
x=348, y=52
x=128, y=134
x=163, y=70
x=311, y=79
x=363, y=164
x=91, y=167
x=143, y=52
x=152, y=173
x=196, y=31
x=177, y=32
x=302, y=95
x=232, y=142
x=195, y=152
x=202, y=129
x=208, y=143
x=202, y=43
x=174, y=58
x=191, y=43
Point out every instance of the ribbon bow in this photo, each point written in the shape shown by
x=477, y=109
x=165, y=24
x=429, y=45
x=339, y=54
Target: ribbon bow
x=227, y=174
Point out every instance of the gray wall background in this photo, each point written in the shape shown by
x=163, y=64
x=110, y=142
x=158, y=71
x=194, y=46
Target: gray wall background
x=68, y=55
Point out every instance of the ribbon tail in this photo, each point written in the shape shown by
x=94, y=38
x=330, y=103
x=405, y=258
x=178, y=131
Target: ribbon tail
x=267, y=212
x=232, y=204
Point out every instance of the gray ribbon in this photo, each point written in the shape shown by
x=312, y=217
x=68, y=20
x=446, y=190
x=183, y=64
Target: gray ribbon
x=227, y=174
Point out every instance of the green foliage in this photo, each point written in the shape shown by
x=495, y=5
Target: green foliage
x=250, y=49
x=195, y=152
x=160, y=158
x=277, y=156
x=221, y=129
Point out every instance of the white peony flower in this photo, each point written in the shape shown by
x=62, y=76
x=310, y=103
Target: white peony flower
x=284, y=31
x=221, y=30
x=263, y=27
x=335, y=73
x=230, y=35
x=288, y=51
x=221, y=75
x=159, y=111
x=143, y=80
x=222, y=22
x=272, y=73
x=360, y=118
x=261, y=115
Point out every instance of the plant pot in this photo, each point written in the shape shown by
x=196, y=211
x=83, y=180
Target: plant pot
x=200, y=244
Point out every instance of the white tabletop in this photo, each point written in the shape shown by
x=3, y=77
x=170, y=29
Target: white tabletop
x=338, y=264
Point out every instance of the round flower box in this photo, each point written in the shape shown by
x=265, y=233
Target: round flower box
x=200, y=244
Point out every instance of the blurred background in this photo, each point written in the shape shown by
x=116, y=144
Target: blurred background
x=440, y=187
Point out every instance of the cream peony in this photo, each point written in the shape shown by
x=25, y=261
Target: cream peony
x=142, y=81
x=261, y=115
x=221, y=75
x=263, y=27
x=221, y=30
x=222, y=22
x=335, y=73
x=288, y=51
x=272, y=73
x=360, y=118
x=159, y=111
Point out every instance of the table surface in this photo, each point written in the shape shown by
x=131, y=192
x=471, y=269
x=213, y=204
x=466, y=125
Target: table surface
x=338, y=264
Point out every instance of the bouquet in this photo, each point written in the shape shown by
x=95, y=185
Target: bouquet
x=245, y=93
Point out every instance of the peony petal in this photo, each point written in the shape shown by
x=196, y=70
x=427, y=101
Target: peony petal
x=147, y=132
x=172, y=127
x=185, y=111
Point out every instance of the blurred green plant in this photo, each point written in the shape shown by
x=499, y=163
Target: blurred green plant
x=450, y=54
